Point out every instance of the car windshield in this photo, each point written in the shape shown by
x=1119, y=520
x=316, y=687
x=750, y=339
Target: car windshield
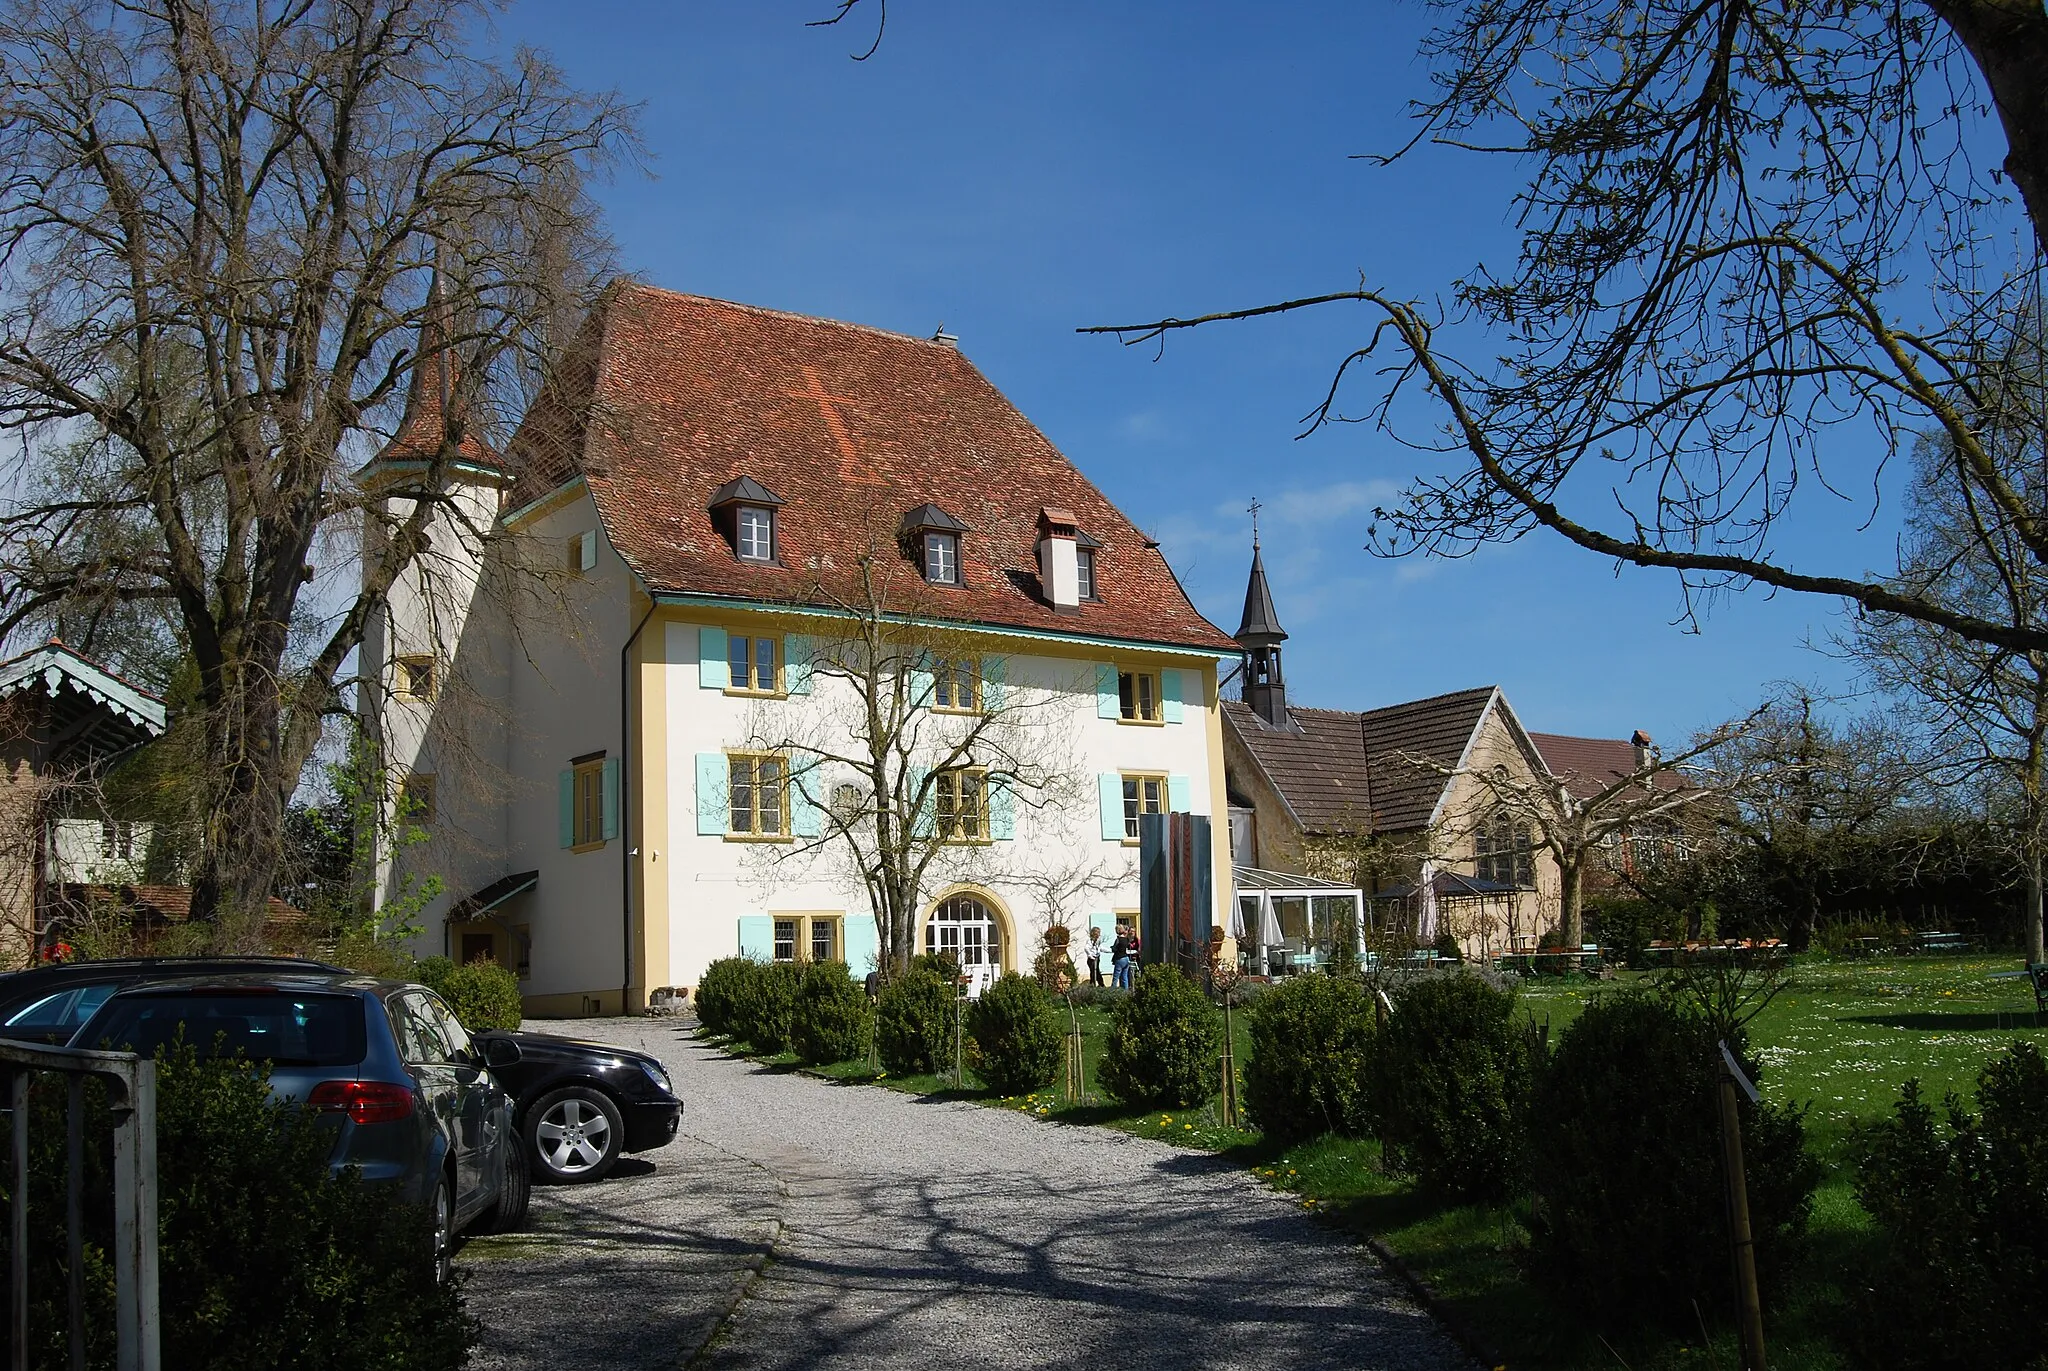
x=276, y=1026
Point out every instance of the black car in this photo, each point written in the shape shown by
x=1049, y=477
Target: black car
x=411, y=1099
x=582, y=1105
x=46, y=1004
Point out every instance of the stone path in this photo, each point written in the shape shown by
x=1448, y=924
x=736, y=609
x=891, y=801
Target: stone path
x=911, y=1233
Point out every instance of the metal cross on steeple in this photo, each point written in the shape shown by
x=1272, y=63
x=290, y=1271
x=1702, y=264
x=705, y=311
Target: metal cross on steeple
x=1255, y=508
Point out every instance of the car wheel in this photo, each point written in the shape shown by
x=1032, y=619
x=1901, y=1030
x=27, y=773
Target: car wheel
x=575, y=1134
x=444, y=1229
x=515, y=1188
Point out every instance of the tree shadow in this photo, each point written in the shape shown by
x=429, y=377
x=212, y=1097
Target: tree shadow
x=2002, y=1020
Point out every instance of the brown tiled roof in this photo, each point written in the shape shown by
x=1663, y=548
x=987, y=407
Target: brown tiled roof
x=169, y=904
x=666, y=397
x=1336, y=767
x=1589, y=765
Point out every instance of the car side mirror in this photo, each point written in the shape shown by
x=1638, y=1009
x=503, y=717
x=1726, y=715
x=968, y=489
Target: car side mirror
x=500, y=1052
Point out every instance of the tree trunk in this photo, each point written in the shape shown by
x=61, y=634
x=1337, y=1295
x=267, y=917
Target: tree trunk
x=2009, y=42
x=242, y=840
x=1570, y=879
x=2032, y=911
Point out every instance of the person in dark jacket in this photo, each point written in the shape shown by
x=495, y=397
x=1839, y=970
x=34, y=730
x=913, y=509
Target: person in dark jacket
x=1120, y=954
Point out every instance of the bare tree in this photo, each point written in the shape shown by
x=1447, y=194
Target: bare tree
x=1983, y=709
x=914, y=752
x=249, y=203
x=1725, y=209
x=1575, y=818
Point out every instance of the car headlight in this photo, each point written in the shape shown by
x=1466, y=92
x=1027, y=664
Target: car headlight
x=658, y=1076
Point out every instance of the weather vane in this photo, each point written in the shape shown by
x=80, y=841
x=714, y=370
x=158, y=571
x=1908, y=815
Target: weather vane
x=1255, y=508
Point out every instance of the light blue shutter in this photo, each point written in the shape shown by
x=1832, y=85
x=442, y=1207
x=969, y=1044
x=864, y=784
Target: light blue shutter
x=925, y=822
x=995, y=691
x=1002, y=809
x=1180, y=795
x=796, y=663
x=757, y=937
x=920, y=680
x=806, y=817
x=568, y=809
x=1111, y=787
x=1106, y=703
x=1169, y=694
x=714, y=793
x=863, y=948
x=1105, y=921
x=611, y=798
x=714, y=672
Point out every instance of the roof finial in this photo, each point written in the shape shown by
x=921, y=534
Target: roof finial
x=1255, y=508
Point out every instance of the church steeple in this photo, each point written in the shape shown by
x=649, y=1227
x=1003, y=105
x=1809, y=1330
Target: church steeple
x=435, y=396
x=1260, y=634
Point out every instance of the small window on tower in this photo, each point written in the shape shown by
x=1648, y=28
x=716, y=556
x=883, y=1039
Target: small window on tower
x=416, y=798
x=415, y=678
x=583, y=551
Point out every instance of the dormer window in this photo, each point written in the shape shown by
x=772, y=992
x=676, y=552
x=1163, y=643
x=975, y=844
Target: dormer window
x=942, y=558
x=756, y=530
x=1084, y=565
x=932, y=536
x=743, y=510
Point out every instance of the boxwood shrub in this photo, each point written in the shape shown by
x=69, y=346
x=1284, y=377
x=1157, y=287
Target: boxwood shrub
x=1630, y=1223
x=1163, y=1043
x=1312, y=1041
x=764, y=1008
x=483, y=994
x=914, y=1023
x=832, y=1016
x=1451, y=1086
x=719, y=990
x=1961, y=1277
x=1015, y=1026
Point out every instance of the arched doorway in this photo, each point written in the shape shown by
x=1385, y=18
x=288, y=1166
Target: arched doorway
x=972, y=929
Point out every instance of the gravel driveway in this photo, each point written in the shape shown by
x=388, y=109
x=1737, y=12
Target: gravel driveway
x=909, y=1233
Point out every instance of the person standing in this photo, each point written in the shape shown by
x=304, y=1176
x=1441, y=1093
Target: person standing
x=1093, y=953
x=1120, y=959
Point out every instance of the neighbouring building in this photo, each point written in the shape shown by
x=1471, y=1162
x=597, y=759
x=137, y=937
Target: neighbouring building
x=65, y=721
x=614, y=703
x=1375, y=799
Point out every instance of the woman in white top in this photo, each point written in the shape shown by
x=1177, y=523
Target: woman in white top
x=1093, y=954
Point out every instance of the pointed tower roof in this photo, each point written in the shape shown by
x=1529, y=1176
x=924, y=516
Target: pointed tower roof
x=1260, y=620
x=436, y=383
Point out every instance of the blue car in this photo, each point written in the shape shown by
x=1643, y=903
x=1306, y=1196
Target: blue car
x=412, y=1101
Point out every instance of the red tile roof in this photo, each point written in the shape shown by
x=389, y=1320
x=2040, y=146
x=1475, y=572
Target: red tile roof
x=168, y=904
x=436, y=379
x=666, y=397
x=1590, y=765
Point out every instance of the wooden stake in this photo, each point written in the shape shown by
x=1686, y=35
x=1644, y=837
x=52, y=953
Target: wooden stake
x=1744, y=1248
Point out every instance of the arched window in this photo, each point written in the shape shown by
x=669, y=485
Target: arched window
x=966, y=930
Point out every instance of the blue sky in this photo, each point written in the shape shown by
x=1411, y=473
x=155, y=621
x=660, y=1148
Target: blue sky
x=1017, y=170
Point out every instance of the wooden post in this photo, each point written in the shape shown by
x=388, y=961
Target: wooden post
x=1742, y=1245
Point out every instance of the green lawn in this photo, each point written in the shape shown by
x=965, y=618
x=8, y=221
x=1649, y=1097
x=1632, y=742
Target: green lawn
x=1840, y=1039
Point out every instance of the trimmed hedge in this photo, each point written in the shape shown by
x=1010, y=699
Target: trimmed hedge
x=1014, y=1026
x=483, y=994
x=914, y=1023
x=1163, y=1043
x=1311, y=1064
x=1451, y=1087
x=1630, y=1223
x=832, y=1016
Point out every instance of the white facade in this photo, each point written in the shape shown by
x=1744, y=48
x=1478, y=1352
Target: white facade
x=528, y=691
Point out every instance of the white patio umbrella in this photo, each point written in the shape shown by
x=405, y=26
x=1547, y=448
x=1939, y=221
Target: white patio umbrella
x=1269, y=922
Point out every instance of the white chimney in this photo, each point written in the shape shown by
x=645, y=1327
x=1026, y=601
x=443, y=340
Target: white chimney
x=1059, y=571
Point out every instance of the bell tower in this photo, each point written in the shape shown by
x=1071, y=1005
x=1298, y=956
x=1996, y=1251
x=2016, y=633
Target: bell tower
x=1260, y=635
